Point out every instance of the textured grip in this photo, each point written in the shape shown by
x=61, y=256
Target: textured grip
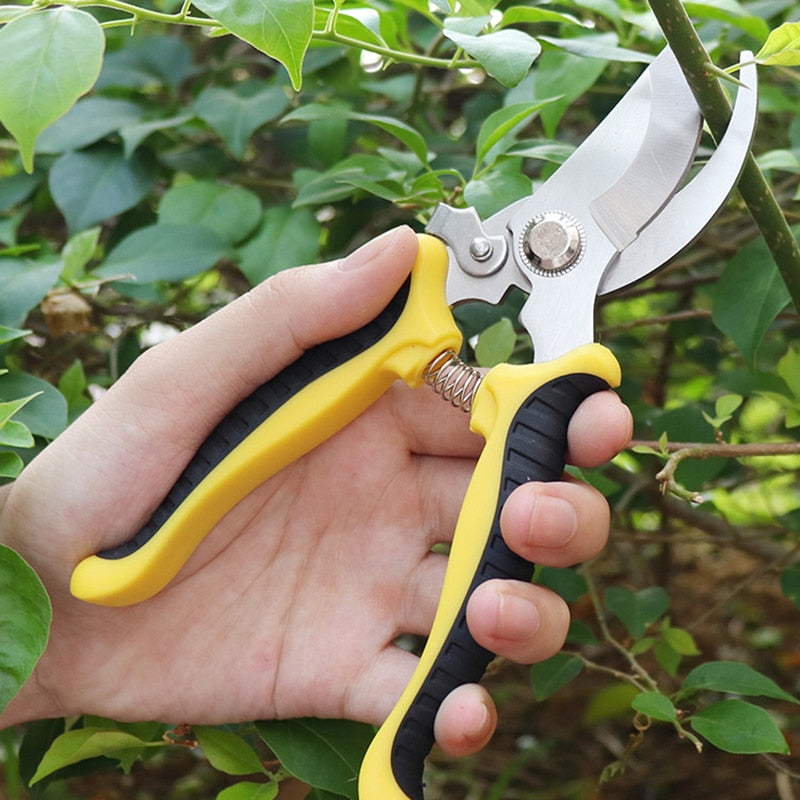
x=282, y=420
x=259, y=406
x=534, y=450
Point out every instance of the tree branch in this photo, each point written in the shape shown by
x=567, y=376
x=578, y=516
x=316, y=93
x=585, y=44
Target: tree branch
x=680, y=451
x=714, y=104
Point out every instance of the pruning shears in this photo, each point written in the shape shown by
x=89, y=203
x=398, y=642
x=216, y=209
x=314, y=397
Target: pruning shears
x=617, y=209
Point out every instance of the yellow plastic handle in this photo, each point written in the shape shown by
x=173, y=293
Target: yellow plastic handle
x=523, y=413
x=314, y=411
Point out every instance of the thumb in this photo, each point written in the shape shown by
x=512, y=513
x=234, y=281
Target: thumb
x=209, y=368
x=142, y=433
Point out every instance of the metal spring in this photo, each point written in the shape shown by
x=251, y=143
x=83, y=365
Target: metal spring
x=454, y=380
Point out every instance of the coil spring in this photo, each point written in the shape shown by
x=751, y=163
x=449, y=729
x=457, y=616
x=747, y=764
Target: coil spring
x=454, y=380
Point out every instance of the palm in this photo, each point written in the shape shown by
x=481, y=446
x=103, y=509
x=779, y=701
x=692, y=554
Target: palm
x=347, y=530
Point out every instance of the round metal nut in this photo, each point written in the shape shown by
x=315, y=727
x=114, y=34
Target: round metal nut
x=480, y=248
x=552, y=243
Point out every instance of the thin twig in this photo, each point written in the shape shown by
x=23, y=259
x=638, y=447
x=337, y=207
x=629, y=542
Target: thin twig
x=681, y=451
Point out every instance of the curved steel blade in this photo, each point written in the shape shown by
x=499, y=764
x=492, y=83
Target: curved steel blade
x=662, y=161
x=690, y=210
x=591, y=181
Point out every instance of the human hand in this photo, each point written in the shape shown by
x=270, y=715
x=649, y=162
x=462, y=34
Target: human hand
x=291, y=604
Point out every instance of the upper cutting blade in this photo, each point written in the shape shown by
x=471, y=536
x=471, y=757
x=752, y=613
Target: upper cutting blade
x=692, y=208
x=613, y=184
x=597, y=202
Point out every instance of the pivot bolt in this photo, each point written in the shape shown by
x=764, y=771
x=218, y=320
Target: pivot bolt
x=480, y=248
x=552, y=243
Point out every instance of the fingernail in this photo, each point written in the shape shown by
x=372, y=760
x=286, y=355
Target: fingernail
x=477, y=725
x=517, y=617
x=368, y=252
x=553, y=521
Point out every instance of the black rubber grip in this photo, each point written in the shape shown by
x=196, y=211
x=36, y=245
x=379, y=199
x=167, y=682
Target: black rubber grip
x=535, y=450
x=259, y=406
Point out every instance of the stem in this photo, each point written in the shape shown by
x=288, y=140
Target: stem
x=714, y=104
x=680, y=451
x=641, y=677
x=327, y=34
x=388, y=53
x=136, y=13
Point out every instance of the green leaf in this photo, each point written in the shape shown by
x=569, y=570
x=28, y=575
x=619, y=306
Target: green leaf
x=564, y=75
x=681, y=641
x=93, y=185
x=739, y=727
x=15, y=434
x=789, y=369
x=72, y=385
x=730, y=12
x=148, y=62
x=82, y=743
x=230, y=211
x=288, y=237
x=610, y=702
x=733, y=677
x=496, y=343
x=237, y=112
x=655, y=705
x=601, y=46
x=543, y=149
x=10, y=465
x=247, y=790
x=502, y=122
x=46, y=413
x=790, y=584
x=22, y=285
x=37, y=87
x=726, y=405
x=747, y=298
x=324, y=753
x=498, y=187
x=506, y=55
x=637, y=610
x=669, y=658
x=9, y=12
x=280, y=28
x=527, y=14
x=782, y=46
x=547, y=677
x=409, y=136
x=10, y=334
x=724, y=408
x=164, y=253
x=15, y=189
x=88, y=121
x=227, y=752
x=359, y=24
x=25, y=616
x=783, y=160
x=135, y=133
x=337, y=183
x=581, y=633
x=566, y=582
x=78, y=252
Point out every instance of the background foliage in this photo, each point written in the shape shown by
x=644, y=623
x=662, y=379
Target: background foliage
x=147, y=179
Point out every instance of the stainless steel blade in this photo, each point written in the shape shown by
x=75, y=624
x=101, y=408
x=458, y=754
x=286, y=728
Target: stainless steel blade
x=691, y=209
x=662, y=162
x=659, y=98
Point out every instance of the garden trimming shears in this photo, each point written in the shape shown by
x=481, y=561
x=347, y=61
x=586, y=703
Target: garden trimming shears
x=614, y=212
